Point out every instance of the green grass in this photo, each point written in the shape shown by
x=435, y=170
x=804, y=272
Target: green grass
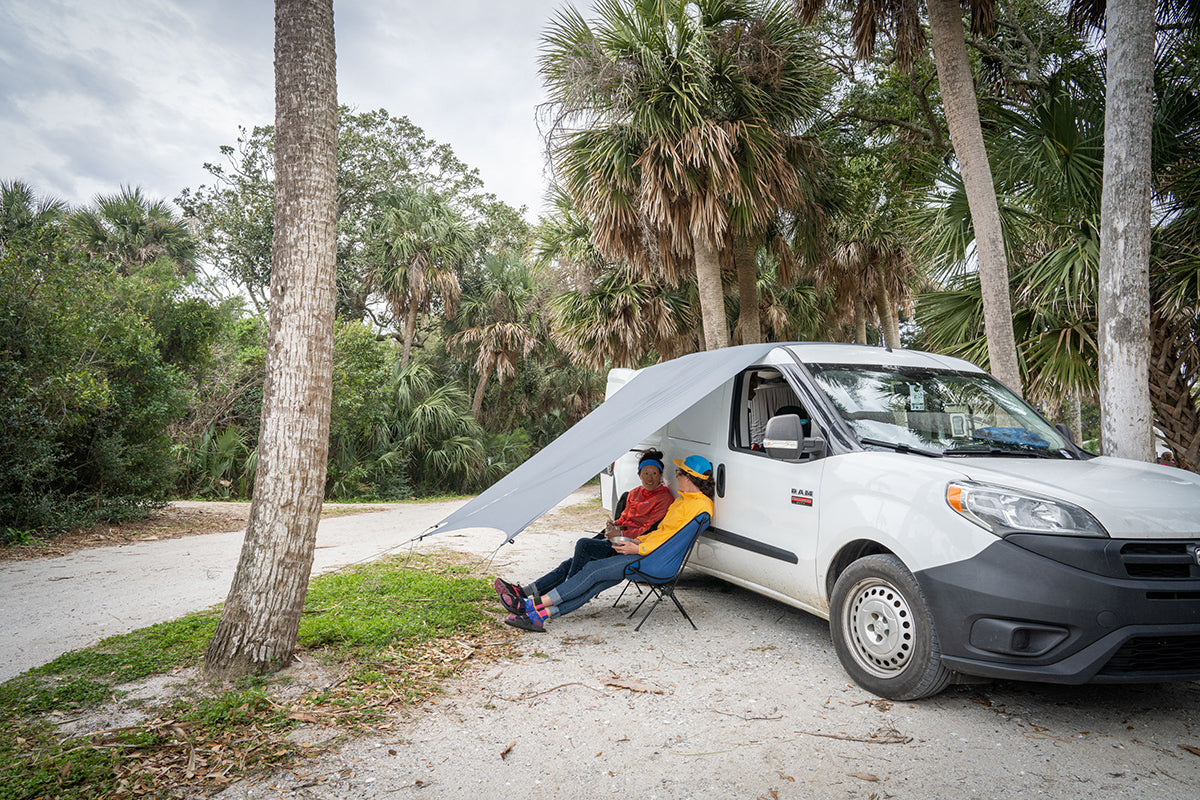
x=380, y=625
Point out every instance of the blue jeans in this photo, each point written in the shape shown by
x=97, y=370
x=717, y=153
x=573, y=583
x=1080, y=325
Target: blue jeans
x=586, y=551
x=588, y=582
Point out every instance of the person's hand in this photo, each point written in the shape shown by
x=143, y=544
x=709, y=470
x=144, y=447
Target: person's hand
x=611, y=530
x=626, y=548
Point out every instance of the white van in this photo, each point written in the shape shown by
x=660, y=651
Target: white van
x=941, y=525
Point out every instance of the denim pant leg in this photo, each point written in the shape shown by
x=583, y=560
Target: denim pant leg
x=589, y=582
x=586, y=551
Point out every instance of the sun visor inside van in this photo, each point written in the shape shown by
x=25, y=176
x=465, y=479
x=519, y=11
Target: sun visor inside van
x=650, y=400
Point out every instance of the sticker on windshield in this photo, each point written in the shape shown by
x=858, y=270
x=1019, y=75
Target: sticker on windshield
x=916, y=397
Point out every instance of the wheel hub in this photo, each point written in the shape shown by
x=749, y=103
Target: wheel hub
x=880, y=626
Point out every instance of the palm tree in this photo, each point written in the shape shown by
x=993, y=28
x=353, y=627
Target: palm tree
x=133, y=231
x=674, y=129
x=22, y=213
x=496, y=316
x=1054, y=151
x=421, y=244
x=966, y=134
x=607, y=315
x=261, y=618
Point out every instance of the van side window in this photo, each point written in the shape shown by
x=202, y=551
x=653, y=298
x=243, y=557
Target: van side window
x=760, y=395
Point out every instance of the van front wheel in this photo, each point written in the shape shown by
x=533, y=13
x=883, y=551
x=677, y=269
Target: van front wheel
x=883, y=632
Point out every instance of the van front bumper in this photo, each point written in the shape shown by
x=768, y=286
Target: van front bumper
x=1070, y=610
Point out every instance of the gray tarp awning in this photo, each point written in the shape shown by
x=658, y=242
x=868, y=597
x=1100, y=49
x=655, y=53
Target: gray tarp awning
x=654, y=397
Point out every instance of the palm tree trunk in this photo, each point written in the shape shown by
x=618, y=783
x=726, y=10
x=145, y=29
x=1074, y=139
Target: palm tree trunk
x=888, y=321
x=1124, y=309
x=410, y=332
x=1075, y=421
x=962, y=117
x=749, y=318
x=860, y=321
x=712, y=295
x=258, y=627
x=1174, y=361
x=480, y=388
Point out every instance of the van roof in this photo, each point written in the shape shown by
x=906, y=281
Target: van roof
x=835, y=353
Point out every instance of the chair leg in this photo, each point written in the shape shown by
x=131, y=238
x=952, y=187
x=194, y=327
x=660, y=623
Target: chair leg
x=657, y=600
x=683, y=611
x=651, y=590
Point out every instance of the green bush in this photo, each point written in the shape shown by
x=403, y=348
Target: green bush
x=85, y=397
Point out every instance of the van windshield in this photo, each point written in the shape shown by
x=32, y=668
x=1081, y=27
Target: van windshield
x=951, y=413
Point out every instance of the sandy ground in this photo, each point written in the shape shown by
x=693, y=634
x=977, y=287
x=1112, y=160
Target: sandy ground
x=752, y=705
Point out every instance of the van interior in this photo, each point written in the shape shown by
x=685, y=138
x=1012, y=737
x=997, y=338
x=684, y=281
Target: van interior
x=760, y=394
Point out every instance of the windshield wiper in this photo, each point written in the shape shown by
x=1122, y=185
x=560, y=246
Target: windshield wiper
x=997, y=451
x=900, y=447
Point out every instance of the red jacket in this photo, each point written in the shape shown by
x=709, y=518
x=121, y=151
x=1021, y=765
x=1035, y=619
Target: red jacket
x=643, y=509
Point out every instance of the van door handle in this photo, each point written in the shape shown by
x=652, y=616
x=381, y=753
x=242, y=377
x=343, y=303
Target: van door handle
x=720, y=480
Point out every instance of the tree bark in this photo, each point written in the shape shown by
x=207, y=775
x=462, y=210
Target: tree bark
x=712, y=294
x=410, y=333
x=749, y=318
x=1175, y=356
x=1124, y=313
x=258, y=627
x=860, y=321
x=480, y=388
x=889, y=323
x=962, y=117
x=1075, y=421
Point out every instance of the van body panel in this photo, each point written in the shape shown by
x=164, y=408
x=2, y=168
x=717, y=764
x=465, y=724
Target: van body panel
x=771, y=503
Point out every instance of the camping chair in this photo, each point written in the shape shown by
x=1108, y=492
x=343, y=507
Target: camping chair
x=659, y=571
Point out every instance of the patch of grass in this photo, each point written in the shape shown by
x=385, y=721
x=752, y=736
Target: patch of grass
x=372, y=606
x=392, y=630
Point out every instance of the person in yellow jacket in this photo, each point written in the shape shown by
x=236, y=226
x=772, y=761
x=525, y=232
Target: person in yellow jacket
x=694, y=478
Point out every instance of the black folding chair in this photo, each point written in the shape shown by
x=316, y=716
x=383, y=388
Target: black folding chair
x=659, y=571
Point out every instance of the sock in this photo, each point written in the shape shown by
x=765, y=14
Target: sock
x=535, y=609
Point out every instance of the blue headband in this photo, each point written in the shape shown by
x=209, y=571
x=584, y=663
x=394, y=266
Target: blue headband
x=651, y=461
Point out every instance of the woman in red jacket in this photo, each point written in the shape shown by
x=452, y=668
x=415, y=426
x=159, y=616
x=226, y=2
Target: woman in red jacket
x=645, y=507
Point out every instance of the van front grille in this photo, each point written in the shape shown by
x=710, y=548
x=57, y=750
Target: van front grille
x=1165, y=560
x=1151, y=655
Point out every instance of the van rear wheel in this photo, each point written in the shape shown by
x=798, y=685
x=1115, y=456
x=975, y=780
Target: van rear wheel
x=883, y=632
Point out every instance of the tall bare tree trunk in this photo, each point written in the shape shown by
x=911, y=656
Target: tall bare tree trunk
x=749, y=318
x=258, y=627
x=860, y=321
x=1124, y=314
x=712, y=294
x=962, y=117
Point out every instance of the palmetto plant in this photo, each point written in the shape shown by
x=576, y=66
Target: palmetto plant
x=133, y=231
x=23, y=213
x=497, y=321
x=674, y=129
x=421, y=242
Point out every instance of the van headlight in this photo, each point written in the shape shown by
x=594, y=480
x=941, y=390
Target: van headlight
x=1003, y=511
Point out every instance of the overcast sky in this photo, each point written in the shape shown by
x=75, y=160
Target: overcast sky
x=96, y=94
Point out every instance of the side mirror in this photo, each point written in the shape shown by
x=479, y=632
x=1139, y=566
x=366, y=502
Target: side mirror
x=784, y=437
